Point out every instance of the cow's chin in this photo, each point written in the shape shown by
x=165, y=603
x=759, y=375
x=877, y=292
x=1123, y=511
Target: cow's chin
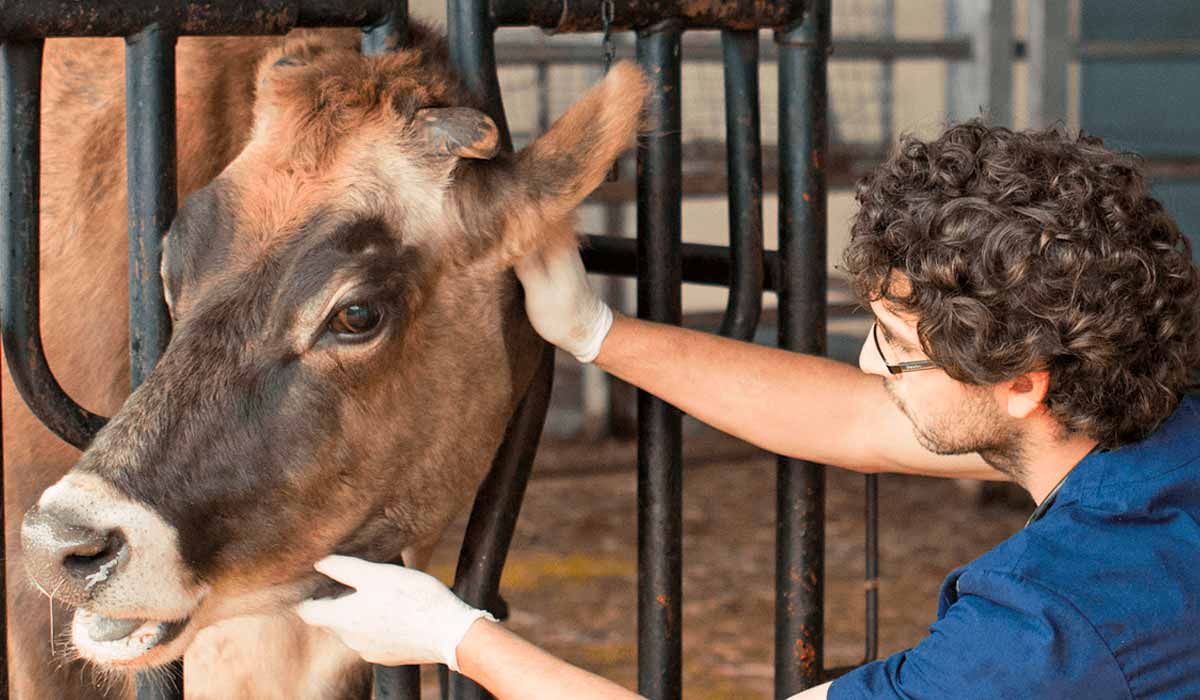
x=137, y=644
x=129, y=643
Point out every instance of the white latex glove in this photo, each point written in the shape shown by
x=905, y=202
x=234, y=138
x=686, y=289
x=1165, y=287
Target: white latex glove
x=561, y=304
x=396, y=616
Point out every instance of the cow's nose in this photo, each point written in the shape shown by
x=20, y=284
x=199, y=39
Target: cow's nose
x=67, y=559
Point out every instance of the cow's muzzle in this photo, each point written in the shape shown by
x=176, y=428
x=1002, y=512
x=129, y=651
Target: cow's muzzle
x=67, y=559
x=118, y=562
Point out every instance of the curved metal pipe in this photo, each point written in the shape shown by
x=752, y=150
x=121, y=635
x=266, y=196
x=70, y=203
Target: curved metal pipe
x=20, y=317
x=494, y=517
x=743, y=146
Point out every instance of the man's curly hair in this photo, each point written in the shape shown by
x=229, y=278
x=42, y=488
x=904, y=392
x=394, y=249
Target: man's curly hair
x=1032, y=250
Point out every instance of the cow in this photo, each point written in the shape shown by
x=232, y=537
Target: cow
x=348, y=345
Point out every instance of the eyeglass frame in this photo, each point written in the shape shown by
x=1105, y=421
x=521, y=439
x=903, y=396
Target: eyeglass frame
x=900, y=367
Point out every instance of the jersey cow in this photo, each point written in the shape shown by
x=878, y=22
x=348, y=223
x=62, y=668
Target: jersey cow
x=348, y=346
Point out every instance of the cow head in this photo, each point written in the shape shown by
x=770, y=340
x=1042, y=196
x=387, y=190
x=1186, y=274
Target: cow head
x=348, y=347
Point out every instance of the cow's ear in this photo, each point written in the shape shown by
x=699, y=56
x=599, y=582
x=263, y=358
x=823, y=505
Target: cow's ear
x=531, y=197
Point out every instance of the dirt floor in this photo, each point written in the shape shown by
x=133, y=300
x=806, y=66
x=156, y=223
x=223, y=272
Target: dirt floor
x=571, y=575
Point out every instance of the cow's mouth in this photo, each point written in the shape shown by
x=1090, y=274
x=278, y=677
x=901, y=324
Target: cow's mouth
x=122, y=642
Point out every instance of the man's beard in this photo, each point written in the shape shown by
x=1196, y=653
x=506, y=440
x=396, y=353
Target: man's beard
x=975, y=425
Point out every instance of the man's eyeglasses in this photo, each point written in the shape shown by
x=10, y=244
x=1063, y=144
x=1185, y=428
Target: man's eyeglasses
x=901, y=367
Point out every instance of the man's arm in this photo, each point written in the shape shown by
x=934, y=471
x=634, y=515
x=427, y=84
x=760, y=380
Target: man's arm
x=806, y=407
x=513, y=669
x=796, y=405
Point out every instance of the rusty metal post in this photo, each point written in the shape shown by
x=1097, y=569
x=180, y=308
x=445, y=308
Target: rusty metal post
x=660, y=428
x=800, y=494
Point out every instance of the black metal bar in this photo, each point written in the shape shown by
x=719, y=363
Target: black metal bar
x=702, y=263
x=389, y=32
x=584, y=15
x=494, y=516
x=660, y=446
x=800, y=490
x=743, y=144
x=20, y=131
x=150, y=155
x=397, y=682
x=3, y=566
x=872, y=570
x=24, y=19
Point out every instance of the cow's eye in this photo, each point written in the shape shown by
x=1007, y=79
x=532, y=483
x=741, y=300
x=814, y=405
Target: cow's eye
x=354, y=321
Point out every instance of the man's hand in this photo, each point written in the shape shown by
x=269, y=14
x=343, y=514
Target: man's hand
x=395, y=616
x=561, y=304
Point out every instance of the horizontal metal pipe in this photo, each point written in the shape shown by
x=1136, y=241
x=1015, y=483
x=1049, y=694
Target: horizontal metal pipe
x=20, y=317
x=25, y=19
x=702, y=47
x=702, y=263
x=584, y=15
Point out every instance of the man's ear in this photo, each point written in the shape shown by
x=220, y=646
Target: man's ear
x=525, y=202
x=1026, y=394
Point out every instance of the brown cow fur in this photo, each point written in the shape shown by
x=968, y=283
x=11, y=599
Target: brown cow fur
x=510, y=204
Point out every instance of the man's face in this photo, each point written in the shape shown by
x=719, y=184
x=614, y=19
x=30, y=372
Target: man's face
x=948, y=416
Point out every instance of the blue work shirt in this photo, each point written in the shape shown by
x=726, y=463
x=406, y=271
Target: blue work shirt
x=1100, y=598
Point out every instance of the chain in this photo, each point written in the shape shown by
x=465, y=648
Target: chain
x=607, y=12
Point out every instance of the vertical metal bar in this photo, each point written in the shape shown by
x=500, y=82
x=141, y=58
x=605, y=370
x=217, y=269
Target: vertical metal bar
x=20, y=317
x=150, y=154
x=992, y=49
x=660, y=446
x=20, y=126
x=397, y=683
x=800, y=487
x=743, y=146
x=871, y=495
x=3, y=567
x=390, y=32
x=887, y=74
x=872, y=570
x=1048, y=59
x=543, y=96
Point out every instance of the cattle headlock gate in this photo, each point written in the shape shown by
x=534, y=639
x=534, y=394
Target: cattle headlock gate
x=795, y=272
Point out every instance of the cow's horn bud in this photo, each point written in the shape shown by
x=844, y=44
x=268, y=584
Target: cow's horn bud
x=459, y=131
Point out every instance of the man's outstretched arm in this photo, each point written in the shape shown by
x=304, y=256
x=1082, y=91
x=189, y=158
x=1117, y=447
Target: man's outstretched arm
x=797, y=405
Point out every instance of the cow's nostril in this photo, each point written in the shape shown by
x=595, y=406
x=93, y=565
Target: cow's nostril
x=93, y=558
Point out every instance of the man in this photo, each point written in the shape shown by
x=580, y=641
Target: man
x=1037, y=318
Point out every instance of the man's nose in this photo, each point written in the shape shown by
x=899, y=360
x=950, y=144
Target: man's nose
x=869, y=359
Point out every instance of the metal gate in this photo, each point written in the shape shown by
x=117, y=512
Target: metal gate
x=796, y=272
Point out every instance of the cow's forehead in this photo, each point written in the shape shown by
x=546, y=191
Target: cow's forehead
x=373, y=176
